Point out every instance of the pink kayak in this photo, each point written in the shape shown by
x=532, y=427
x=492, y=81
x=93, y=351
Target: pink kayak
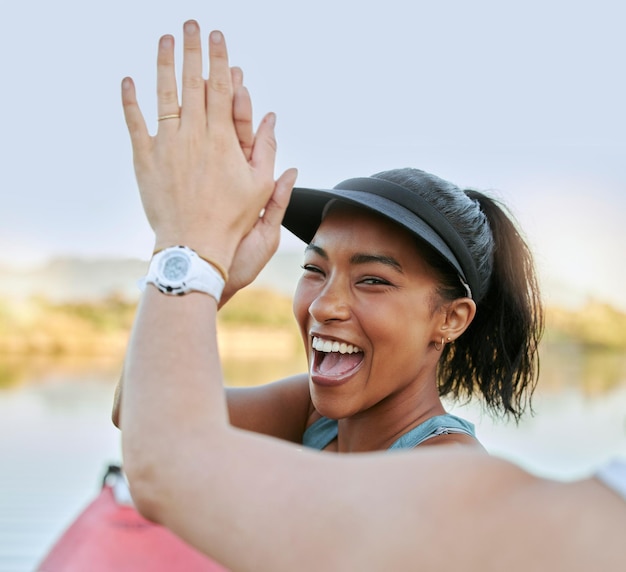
x=110, y=535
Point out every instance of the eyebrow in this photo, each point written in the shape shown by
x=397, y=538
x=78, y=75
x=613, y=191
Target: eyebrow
x=360, y=258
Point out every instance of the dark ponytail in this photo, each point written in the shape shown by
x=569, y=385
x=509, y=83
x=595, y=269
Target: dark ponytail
x=498, y=354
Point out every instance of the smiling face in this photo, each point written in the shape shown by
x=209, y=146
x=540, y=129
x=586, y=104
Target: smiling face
x=368, y=312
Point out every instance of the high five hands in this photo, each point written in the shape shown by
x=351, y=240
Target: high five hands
x=205, y=176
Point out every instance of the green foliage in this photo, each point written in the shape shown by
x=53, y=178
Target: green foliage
x=111, y=314
x=10, y=374
x=596, y=325
x=41, y=326
x=258, y=307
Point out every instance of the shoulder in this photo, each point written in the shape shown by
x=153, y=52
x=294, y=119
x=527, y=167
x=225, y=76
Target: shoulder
x=453, y=439
x=293, y=385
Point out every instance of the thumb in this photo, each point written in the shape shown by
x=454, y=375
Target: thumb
x=277, y=205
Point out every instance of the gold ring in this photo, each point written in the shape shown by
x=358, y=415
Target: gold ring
x=171, y=116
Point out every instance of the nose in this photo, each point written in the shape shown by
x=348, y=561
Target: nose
x=331, y=303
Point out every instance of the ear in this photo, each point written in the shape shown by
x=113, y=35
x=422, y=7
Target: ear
x=456, y=318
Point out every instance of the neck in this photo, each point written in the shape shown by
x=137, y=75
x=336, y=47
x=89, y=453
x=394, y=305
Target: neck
x=378, y=427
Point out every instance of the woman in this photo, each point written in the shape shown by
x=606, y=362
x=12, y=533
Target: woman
x=419, y=277
x=254, y=502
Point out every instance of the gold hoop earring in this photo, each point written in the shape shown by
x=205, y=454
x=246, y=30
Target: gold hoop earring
x=440, y=347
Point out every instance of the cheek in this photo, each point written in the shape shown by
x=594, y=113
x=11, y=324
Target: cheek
x=301, y=303
x=386, y=314
x=399, y=330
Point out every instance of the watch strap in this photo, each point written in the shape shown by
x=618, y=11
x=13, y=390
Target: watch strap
x=201, y=276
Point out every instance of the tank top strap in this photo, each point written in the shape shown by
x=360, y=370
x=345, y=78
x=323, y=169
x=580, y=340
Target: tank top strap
x=320, y=433
x=433, y=427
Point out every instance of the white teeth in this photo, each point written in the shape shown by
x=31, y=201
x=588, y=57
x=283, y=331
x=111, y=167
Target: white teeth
x=327, y=346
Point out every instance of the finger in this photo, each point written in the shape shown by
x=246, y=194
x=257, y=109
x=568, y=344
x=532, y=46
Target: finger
x=277, y=205
x=236, y=77
x=242, y=113
x=264, y=149
x=139, y=136
x=219, y=87
x=193, y=92
x=167, y=92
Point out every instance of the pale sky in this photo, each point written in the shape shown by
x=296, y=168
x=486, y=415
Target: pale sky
x=525, y=99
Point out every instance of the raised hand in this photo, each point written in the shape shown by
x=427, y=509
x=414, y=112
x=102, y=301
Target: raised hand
x=258, y=246
x=205, y=176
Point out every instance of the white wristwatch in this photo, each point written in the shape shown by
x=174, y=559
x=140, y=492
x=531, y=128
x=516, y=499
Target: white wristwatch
x=178, y=270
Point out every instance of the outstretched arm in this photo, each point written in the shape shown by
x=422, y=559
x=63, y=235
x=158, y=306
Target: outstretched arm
x=280, y=401
x=252, y=253
x=253, y=502
x=200, y=186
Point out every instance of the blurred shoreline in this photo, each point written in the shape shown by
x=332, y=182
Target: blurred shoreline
x=256, y=330
x=72, y=313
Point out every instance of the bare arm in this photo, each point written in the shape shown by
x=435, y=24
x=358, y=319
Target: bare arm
x=194, y=176
x=280, y=409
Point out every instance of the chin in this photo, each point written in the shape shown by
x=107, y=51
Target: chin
x=332, y=407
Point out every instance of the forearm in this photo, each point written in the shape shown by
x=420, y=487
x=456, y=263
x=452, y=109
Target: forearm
x=172, y=386
x=117, y=396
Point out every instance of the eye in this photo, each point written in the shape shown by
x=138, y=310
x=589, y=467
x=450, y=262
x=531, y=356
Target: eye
x=311, y=268
x=375, y=281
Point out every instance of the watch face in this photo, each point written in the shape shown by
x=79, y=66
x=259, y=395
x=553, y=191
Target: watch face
x=176, y=267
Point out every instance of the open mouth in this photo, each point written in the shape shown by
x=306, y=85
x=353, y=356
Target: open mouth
x=334, y=358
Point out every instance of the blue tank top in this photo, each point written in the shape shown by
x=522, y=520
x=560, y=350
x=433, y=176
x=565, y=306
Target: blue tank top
x=319, y=434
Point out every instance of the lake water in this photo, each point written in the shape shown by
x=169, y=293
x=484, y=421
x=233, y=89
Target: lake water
x=57, y=438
